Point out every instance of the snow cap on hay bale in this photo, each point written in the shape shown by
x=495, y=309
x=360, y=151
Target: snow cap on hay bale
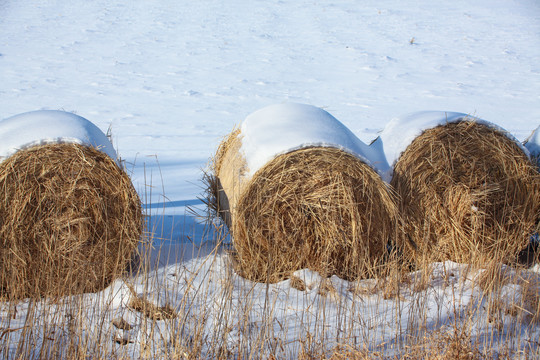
x=467, y=188
x=70, y=219
x=50, y=127
x=297, y=189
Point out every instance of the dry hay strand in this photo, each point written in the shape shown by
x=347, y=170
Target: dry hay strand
x=468, y=193
x=70, y=221
x=316, y=208
x=536, y=161
x=150, y=310
x=297, y=283
x=454, y=344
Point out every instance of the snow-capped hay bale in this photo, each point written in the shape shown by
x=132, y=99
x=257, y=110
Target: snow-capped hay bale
x=70, y=219
x=296, y=190
x=468, y=193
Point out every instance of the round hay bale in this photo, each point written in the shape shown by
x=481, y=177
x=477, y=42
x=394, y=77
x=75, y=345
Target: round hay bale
x=316, y=207
x=468, y=194
x=70, y=221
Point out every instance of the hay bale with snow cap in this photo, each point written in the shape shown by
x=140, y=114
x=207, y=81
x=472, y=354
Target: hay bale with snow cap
x=298, y=190
x=70, y=219
x=467, y=187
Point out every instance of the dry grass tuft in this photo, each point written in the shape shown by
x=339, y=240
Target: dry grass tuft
x=530, y=295
x=468, y=194
x=297, y=283
x=493, y=278
x=326, y=288
x=436, y=345
x=70, y=221
x=316, y=208
x=456, y=345
x=150, y=310
x=536, y=161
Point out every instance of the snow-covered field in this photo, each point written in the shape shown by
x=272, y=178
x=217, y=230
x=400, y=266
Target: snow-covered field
x=171, y=78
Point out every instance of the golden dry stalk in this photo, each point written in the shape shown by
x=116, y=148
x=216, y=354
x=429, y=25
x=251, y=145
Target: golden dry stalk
x=468, y=194
x=70, y=221
x=319, y=208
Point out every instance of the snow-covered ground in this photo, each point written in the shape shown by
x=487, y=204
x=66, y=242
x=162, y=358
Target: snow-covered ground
x=171, y=78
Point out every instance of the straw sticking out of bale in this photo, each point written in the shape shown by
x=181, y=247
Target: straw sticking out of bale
x=319, y=208
x=70, y=221
x=467, y=192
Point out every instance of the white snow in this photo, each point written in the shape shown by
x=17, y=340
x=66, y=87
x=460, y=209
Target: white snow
x=282, y=128
x=47, y=127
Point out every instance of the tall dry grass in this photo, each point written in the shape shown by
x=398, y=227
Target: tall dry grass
x=179, y=312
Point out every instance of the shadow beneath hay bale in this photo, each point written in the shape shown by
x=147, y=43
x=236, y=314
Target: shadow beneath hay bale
x=183, y=227
x=168, y=253
x=177, y=235
x=531, y=254
x=173, y=204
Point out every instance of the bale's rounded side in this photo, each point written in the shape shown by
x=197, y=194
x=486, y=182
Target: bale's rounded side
x=468, y=193
x=70, y=221
x=230, y=178
x=317, y=208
